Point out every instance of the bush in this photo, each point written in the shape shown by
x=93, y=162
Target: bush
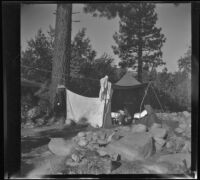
x=174, y=91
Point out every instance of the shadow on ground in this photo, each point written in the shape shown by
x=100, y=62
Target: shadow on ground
x=38, y=140
x=25, y=168
x=42, y=138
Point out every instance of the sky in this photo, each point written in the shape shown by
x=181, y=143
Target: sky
x=175, y=22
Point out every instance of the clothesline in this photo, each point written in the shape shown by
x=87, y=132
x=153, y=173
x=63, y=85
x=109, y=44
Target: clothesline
x=44, y=70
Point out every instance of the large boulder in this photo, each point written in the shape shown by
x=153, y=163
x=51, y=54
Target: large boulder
x=134, y=146
x=159, y=143
x=138, y=128
x=175, y=144
x=60, y=147
x=158, y=132
x=176, y=159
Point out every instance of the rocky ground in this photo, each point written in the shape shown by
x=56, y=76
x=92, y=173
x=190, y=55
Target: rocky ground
x=134, y=149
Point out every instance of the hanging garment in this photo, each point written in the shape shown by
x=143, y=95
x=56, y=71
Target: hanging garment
x=103, y=88
x=85, y=108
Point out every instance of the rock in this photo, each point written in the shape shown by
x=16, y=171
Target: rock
x=125, y=128
x=33, y=113
x=169, y=144
x=95, y=146
x=89, y=136
x=181, y=119
x=158, y=132
x=115, y=165
x=116, y=136
x=91, y=147
x=156, y=168
x=183, y=126
x=179, y=145
x=108, y=166
x=71, y=162
x=187, y=147
x=186, y=114
x=188, y=119
x=155, y=125
x=81, y=134
x=75, y=139
x=94, y=136
x=102, y=142
x=115, y=157
x=82, y=142
x=75, y=157
x=163, y=116
x=166, y=127
x=160, y=141
x=60, y=147
x=174, y=114
x=135, y=146
x=188, y=133
x=173, y=118
x=101, y=135
x=176, y=144
x=179, y=130
x=139, y=128
x=102, y=152
x=176, y=159
x=110, y=137
x=68, y=122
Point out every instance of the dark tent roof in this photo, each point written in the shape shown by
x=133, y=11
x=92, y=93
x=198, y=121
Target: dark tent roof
x=128, y=81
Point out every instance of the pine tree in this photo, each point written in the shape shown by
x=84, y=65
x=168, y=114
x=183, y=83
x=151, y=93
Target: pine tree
x=82, y=52
x=139, y=41
x=38, y=55
x=184, y=63
x=62, y=49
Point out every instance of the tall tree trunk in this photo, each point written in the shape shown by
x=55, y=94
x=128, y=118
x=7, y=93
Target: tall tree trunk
x=140, y=63
x=62, y=51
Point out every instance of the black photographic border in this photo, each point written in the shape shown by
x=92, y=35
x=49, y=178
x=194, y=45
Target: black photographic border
x=11, y=92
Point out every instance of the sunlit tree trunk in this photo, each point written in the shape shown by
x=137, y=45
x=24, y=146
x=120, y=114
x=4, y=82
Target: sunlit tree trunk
x=62, y=50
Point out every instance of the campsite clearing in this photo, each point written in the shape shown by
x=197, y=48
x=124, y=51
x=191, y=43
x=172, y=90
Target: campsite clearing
x=97, y=156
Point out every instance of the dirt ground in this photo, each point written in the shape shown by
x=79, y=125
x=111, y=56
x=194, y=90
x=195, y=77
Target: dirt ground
x=34, y=143
x=37, y=159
